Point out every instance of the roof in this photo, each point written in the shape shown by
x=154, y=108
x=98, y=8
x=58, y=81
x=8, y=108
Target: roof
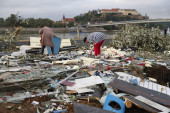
x=129, y=9
x=114, y=10
x=69, y=20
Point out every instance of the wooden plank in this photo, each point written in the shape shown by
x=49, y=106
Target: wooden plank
x=138, y=90
x=153, y=104
x=91, y=72
x=69, y=76
x=141, y=104
x=71, y=92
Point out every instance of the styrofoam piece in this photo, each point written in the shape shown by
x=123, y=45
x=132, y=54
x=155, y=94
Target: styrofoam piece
x=35, y=41
x=89, y=81
x=68, y=62
x=65, y=42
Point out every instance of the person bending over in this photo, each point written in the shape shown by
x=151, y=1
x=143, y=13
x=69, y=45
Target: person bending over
x=97, y=39
x=46, y=35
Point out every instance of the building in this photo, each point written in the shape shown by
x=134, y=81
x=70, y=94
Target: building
x=119, y=11
x=129, y=12
x=110, y=11
x=67, y=20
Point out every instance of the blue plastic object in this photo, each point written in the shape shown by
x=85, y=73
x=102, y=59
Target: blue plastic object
x=60, y=111
x=49, y=49
x=56, y=42
x=97, y=73
x=112, y=98
x=134, y=81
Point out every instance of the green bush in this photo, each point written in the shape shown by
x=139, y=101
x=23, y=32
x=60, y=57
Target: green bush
x=142, y=38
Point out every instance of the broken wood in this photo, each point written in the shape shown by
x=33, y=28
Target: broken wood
x=69, y=76
x=128, y=104
x=153, y=104
x=71, y=92
x=131, y=100
x=146, y=89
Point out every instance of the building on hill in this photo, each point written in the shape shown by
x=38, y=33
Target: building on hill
x=119, y=11
x=67, y=20
x=129, y=12
x=110, y=11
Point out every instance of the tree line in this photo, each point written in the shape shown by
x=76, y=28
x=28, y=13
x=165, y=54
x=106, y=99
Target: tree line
x=14, y=21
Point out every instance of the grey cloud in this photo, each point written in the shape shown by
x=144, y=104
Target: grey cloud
x=55, y=9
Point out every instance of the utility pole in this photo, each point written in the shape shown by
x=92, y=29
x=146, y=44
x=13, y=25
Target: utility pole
x=78, y=32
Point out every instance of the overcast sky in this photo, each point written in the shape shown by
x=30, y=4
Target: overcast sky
x=54, y=9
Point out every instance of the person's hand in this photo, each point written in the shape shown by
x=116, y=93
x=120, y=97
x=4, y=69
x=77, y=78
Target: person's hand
x=92, y=49
x=90, y=52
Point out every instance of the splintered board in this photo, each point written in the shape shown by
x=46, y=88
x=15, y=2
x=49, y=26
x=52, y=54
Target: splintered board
x=141, y=104
x=147, y=89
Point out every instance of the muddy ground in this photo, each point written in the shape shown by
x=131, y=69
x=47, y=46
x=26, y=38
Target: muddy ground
x=27, y=107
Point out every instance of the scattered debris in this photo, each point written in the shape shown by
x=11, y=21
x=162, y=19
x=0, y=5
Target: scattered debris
x=74, y=81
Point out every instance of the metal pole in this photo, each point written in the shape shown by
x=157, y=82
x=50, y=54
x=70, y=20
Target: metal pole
x=78, y=32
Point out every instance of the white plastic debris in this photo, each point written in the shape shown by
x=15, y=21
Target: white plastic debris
x=76, y=61
x=35, y=103
x=22, y=51
x=76, y=67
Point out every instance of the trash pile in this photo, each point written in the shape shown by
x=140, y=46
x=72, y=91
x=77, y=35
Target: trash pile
x=76, y=82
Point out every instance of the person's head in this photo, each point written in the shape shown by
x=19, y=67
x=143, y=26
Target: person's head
x=85, y=40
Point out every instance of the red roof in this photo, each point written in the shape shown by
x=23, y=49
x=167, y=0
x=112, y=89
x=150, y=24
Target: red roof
x=114, y=10
x=69, y=20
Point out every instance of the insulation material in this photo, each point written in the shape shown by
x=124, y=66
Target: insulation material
x=58, y=62
x=82, y=85
x=65, y=42
x=89, y=81
x=35, y=41
x=68, y=62
x=21, y=52
x=79, y=90
x=111, y=52
x=76, y=67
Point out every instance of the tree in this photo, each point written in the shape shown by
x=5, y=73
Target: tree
x=1, y=22
x=11, y=21
x=70, y=24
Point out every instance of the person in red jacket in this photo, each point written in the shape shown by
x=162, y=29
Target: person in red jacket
x=97, y=39
x=46, y=35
